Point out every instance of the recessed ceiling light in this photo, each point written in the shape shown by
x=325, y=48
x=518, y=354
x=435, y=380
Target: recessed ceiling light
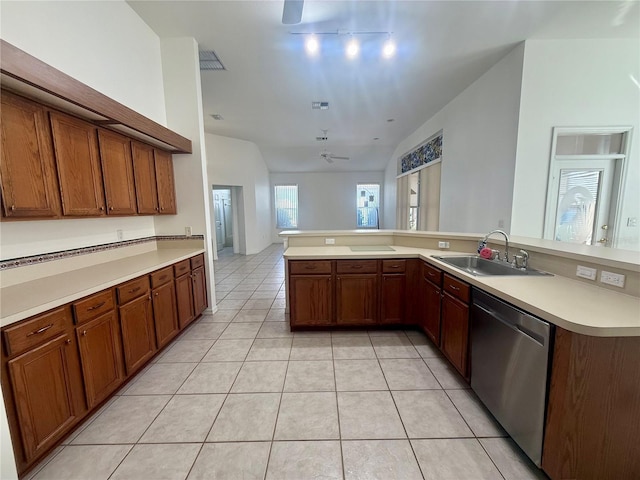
x=391, y=120
x=312, y=45
x=389, y=49
x=217, y=116
x=353, y=48
x=376, y=138
x=320, y=105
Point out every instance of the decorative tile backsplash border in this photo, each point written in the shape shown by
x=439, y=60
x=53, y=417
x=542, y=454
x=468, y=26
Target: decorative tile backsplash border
x=48, y=257
x=427, y=152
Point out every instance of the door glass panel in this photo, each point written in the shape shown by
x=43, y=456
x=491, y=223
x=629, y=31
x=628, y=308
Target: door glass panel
x=577, y=205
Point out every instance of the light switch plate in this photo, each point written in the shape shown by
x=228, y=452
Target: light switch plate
x=329, y=241
x=586, y=272
x=187, y=231
x=443, y=244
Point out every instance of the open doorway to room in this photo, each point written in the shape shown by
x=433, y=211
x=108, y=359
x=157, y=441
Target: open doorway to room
x=228, y=220
x=223, y=215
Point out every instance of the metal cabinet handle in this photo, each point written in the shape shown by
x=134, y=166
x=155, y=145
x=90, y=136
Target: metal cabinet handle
x=162, y=209
x=95, y=307
x=134, y=290
x=67, y=341
x=102, y=209
x=431, y=274
x=394, y=266
x=13, y=207
x=310, y=267
x=84, y=333
x=40, y=330
x=111, y=209
x=356, y=267
x=156, y=294
x=454, y=288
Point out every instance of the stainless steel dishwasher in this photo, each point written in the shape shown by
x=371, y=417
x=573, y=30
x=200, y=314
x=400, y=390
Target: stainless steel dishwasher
x=510, y=359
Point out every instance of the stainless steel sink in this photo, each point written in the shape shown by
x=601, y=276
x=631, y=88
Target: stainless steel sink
x=479, y=266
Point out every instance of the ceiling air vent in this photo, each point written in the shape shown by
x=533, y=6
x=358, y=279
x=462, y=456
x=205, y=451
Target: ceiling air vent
x=210, y=61
x=322, y=139
x=320, y=105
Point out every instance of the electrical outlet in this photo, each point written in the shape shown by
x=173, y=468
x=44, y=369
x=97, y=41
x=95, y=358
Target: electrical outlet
x=632, y=222
x=586, y=272
x=329, y=241
x=187, y=231
x=443, y=244
x=500, y=223
x=119, y=235
x=610, y=278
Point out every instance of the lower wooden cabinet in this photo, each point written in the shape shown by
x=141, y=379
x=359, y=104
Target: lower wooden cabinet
x=430, y=299
x=455, y=333
x=393, y=298
x=199, y=290
x=47, y=389
x=184, y=300
x=165, y=313
x=101, y=357
x=136, y=321
x=59, y=366
x=357, y=299
x=311, y=299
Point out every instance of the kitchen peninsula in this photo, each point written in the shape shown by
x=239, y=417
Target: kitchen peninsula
x=374, y=279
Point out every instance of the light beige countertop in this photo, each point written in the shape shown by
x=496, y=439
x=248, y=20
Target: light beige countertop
x=26, y=299
x=567, y=303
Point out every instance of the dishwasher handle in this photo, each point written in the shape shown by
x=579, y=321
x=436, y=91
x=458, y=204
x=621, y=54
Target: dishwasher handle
x=518, y=323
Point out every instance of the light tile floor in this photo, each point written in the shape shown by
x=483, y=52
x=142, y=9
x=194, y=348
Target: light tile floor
x=238, y=396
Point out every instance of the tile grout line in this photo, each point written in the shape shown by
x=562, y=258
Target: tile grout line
x=335, y=386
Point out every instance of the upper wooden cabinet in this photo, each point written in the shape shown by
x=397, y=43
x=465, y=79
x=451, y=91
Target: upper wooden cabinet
x=117, y=172
x=145, y=178
x=27, y=171
x=165, y=182
x=56, y=165
x=79, y=173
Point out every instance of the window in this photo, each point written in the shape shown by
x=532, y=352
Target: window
x=286, y=206
x=368, y=202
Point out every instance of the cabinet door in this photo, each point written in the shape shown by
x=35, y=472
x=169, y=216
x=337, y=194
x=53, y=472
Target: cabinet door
x=199, y=290
x=184, y=299
x=165, y=315
x=455, y=332
x=357, y=299
x=136, y=321
x=79, y=173
x=430, y=321
x=166, y=186
x=393, y=299
x=311, y=300
x=46, y=393
x=144, y=172
x=117, y=172
x=101, y=355
x=27, y=169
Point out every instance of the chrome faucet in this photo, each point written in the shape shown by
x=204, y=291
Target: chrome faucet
x=483, y=243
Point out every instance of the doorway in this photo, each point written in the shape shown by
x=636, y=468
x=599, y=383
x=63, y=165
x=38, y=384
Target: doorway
x=223, y=217
x=585, y=184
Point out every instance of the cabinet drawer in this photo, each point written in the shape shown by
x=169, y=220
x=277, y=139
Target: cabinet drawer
x=456, y=288
x=161, y=277
x=432, y=274
x=394, y=266
x=134, y=288
x=301, y=267
x=197, y=261
x=27, y=334
x=357, y=266
x=181, y=268
x=93, y=306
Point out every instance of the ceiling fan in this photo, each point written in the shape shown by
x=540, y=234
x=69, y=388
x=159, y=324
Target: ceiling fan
x=330, y=157
x=292, y=12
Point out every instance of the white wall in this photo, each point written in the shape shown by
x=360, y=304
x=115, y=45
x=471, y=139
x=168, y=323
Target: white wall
x=326, y=200
x=108, y=47
x=233, y=162
x=478, y=148
x=574, y=83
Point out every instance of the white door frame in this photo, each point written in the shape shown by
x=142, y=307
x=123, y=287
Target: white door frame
x=620, y=174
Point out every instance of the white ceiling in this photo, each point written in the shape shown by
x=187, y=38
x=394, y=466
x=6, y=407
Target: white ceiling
x=266, y=92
